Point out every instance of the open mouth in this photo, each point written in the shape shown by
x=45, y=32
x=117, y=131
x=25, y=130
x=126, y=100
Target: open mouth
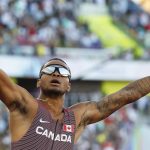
x=54, y=81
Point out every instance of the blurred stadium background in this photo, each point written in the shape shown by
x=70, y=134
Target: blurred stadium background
x=106, y=44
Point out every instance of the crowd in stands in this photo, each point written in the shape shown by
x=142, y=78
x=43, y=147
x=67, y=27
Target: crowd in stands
x=4, y=132
x=43, y=24
x=135, y=19
x=40, y=26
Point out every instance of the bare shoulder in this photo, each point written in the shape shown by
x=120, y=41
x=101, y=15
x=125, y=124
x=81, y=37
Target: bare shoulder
x=82, y=110
x=82, y=116
x=94, y=111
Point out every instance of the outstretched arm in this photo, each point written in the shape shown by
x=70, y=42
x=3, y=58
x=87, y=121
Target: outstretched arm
x=12, y=95
x=92, y=112
x=20, y=103
x=9, y=91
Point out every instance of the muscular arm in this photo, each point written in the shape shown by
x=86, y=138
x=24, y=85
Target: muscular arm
x=12, y=95
x=92, y=112
x=21, y=105
x=8, y=89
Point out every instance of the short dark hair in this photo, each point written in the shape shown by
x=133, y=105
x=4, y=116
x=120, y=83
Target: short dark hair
x=55, y=58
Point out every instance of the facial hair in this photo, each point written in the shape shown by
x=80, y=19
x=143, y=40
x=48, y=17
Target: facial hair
x=53, y=93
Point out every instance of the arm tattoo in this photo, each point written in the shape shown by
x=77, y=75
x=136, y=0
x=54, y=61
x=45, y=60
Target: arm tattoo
x=131, y=93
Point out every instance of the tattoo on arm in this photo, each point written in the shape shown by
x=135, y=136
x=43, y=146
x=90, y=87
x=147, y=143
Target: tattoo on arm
x=131, y=93
x=96, y=111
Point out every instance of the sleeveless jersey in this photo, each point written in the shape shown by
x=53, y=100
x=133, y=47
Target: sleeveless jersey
x=48, y=134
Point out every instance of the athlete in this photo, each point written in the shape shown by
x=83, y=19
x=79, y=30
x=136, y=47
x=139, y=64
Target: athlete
x=43, y=123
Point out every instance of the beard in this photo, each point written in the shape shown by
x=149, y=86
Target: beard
x=53, y=93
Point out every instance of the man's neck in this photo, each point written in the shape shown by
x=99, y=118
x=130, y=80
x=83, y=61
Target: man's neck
x=54, y=106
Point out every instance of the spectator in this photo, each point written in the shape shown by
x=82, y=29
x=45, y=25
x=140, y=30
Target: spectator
x=46, y=22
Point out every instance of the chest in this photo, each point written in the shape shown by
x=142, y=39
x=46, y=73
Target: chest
x=48, y=134
x=53, y=132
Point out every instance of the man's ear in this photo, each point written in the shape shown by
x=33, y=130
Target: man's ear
x=38, y=83
x=69, y=87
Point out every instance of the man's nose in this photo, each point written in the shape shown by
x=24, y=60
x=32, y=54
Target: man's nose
x=56, y=73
